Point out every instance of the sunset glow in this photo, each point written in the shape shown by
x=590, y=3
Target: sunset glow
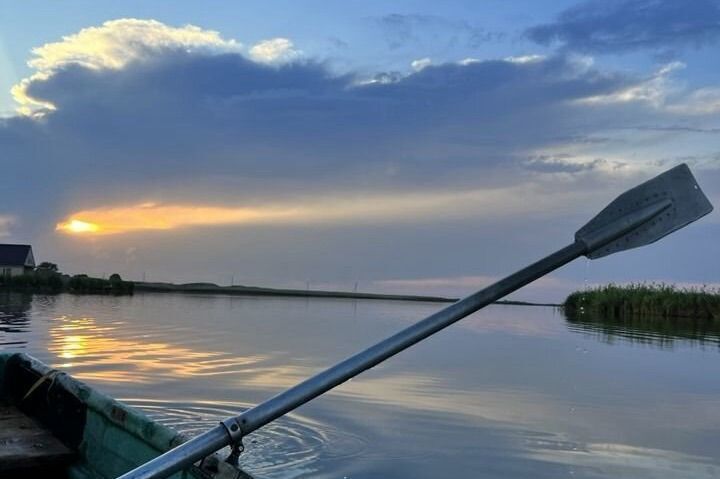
x=149, y=216
x=78, y=226
x=327, y=209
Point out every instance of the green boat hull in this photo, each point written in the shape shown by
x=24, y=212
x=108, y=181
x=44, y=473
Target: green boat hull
x=109, y=437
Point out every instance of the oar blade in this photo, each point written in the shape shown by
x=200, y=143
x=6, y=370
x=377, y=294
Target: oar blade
x=659, y=206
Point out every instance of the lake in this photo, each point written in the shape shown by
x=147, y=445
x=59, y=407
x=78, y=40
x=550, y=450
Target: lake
x=510, y=392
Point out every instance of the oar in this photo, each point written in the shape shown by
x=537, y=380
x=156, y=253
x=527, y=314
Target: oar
x=640, y=216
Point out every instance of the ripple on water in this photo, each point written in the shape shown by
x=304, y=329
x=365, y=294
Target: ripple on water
x=10, y=325
x=287, y=448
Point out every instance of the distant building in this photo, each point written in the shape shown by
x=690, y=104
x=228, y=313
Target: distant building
x=16, y=259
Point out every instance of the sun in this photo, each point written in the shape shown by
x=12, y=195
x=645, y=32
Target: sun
x=77, y=226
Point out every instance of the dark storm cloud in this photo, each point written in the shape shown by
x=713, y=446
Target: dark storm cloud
x=196, y=119
x=612, y=26
x=203, y=127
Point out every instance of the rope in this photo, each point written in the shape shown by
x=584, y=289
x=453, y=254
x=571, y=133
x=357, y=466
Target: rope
x=49, y=375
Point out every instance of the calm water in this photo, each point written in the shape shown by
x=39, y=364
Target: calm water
x=512, y=392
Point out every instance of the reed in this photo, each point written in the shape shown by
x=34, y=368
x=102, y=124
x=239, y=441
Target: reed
x=645, y=300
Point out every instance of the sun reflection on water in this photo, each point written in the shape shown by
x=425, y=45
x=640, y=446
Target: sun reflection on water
x=105, y=353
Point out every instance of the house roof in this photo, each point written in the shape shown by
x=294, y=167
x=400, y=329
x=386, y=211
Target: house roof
x=14, y=254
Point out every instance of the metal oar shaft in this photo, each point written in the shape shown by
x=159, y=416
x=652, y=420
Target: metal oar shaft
x=637, y=217
x=235, y=428
x=312, y=387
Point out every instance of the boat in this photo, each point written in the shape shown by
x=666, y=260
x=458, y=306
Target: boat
x=55, y=426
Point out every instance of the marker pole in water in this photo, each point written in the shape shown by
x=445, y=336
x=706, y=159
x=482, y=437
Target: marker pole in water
x=638, y=217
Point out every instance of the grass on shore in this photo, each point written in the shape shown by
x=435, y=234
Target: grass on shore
x=645, y=300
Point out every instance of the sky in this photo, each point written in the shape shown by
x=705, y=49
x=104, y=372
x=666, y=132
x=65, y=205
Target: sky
x=418, y=147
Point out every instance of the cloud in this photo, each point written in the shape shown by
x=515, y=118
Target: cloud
x=112, y=46
x=236, y=153
x=703, y=101
x=674, y=128
x=617, y=26
x=181, y=116
x=525, y=58
x=420, y=63
x=345, y=208
x=275, y=50
x=565, y=163
x=653, y=90
x=209, y=125
x=659, y=91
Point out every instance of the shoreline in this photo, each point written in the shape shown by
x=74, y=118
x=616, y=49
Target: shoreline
x=642, y=300
x=194, y=288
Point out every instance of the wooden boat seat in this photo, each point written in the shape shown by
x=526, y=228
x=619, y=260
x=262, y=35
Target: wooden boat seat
x=27, y=447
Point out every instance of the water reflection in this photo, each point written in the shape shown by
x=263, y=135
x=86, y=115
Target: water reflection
x=620, y=460
x=658, y=332
x=14, y=318
x=105, y=353
x=290, y=447
x=511, y=392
